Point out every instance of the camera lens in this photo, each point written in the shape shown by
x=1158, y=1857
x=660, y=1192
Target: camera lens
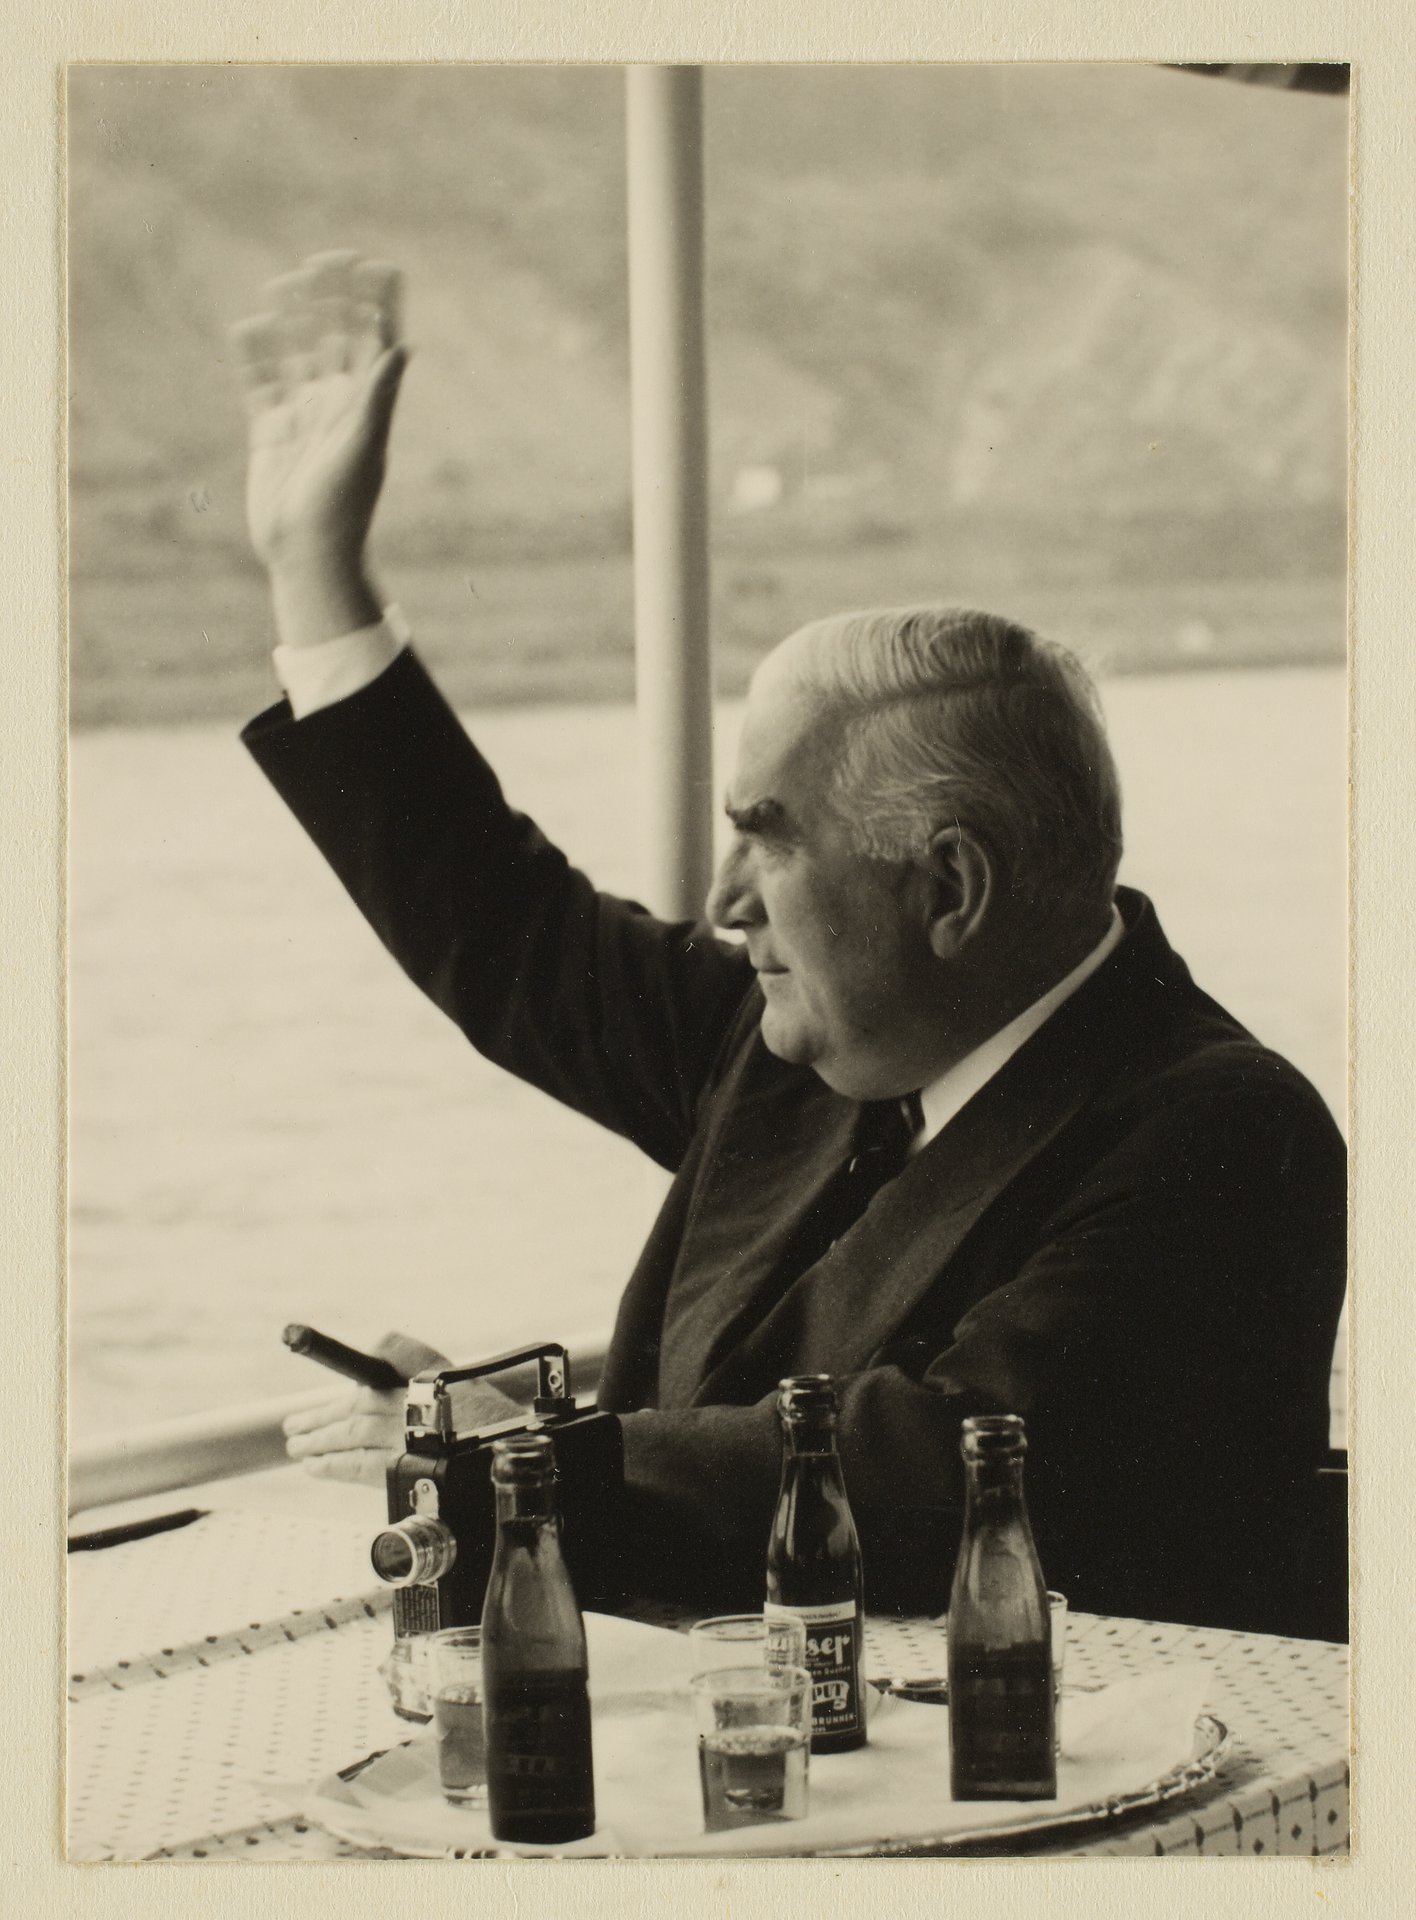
x=414, y=1553
x=393, y=1558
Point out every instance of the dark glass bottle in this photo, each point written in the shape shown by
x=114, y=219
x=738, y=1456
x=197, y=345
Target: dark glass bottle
x=535, y=1670
x=1000, y=1644
x=813, y=1561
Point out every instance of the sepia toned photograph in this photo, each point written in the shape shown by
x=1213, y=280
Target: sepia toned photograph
x=708, y=933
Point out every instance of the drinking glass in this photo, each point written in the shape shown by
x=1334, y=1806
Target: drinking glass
x=405, y=1673
x=1057, y=1619
x=456, y=1687
x=738, y=1639
x=754, y=1743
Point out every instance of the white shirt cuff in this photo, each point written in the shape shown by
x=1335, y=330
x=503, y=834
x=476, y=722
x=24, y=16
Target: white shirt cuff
x=315, y=677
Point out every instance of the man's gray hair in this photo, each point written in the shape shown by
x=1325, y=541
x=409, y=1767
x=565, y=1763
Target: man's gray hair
x=955, y=717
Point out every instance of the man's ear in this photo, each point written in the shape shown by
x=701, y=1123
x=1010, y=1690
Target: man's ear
x=961, y=889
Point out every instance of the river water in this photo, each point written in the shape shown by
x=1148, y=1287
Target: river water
x=267, y=1122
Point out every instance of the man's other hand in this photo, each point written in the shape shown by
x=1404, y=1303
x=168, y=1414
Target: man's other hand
x=356, y=1434
x=321, y=371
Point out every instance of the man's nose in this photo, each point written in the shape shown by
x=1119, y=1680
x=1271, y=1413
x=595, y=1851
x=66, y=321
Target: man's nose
x=733, y=900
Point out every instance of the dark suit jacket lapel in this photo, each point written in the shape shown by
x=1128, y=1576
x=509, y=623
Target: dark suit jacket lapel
x=840, y=1312
x=782, y=1140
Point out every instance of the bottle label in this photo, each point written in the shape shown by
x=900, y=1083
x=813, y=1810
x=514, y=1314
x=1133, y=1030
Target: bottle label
x=1000, y=1724
x=833, y=1652
x=538, y=1747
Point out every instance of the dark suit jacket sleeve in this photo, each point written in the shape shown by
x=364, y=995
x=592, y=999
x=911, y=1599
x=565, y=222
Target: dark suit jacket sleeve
x=588, y=997
x=1170, y=1338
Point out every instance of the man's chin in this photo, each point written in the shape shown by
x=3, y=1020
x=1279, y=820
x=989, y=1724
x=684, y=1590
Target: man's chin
x=843, y=1073
x=784, y=1038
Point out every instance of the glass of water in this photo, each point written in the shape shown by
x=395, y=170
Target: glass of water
x=456, y=1688
x=754, y=1742
x=739, y=1639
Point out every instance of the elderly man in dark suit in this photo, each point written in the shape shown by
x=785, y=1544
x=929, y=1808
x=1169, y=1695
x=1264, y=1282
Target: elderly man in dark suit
x=951, y=1121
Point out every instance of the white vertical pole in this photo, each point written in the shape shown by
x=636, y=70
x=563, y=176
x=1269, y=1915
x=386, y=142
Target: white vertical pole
x=673, y=679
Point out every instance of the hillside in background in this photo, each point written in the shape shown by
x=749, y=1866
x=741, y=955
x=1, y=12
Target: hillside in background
x=1042, y=334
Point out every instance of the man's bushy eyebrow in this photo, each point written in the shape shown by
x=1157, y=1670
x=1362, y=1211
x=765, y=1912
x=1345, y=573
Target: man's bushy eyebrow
x=763, y=817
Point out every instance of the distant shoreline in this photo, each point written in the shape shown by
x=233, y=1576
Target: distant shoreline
x=172, y=650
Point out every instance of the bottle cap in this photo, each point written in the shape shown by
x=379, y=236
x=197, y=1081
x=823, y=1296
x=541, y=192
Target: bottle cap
x=523, y=1458
x=987, y=1435
x=806, y=1396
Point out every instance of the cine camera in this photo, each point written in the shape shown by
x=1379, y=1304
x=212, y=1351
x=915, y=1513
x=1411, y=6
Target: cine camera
x=436, y=1551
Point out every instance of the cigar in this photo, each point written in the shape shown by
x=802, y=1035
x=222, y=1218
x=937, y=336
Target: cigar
x=365, y=1368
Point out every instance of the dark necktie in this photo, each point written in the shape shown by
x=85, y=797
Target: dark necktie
x=881, y=1148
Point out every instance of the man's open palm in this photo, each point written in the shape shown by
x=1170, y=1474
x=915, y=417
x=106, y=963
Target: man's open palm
x=321, y=370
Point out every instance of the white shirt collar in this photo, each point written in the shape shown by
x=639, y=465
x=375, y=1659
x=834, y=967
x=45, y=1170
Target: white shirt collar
x=944, y=1097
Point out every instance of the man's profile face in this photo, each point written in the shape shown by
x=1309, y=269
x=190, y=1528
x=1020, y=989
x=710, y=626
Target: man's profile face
x=838, y=939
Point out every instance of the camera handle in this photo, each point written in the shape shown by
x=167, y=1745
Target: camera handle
x=428, y=1391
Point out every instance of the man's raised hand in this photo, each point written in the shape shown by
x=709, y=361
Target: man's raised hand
x=321, y=369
